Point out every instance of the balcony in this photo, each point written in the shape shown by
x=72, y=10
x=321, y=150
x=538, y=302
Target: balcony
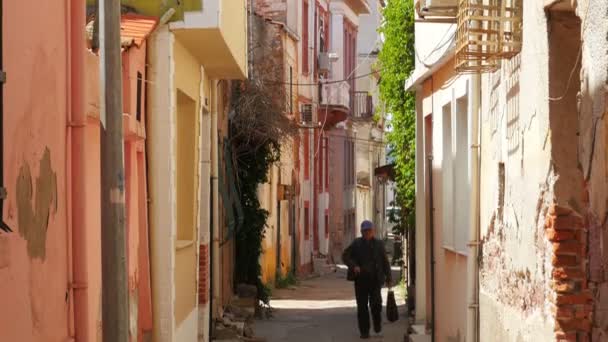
x=217, y=37
x=335, y=101
x=214, y=31
x=362, y=105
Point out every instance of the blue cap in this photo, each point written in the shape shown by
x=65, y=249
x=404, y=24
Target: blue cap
x=366, y=225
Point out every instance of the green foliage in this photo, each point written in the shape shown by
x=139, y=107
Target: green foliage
x=397, y=62
x=286, y=281
x=254, y=156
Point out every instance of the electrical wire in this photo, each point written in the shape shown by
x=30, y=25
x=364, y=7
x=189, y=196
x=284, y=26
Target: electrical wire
x=439, y=46
x=328, y=82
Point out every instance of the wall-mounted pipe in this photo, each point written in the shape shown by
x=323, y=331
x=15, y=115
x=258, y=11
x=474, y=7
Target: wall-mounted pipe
x=432, y=245
x=3, y=194
x=472, y=332
x=76, y=126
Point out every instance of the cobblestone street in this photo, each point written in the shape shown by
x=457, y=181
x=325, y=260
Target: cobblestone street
x=322, y=310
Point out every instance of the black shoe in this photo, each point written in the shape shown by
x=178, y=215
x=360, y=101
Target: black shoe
x=364, y=336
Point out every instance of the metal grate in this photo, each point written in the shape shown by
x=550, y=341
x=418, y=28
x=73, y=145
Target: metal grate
x=487, y=32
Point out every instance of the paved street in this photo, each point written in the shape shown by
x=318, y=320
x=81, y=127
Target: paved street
x=321, y=310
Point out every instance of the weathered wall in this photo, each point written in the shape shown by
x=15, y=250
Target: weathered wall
x=516, y=273
x=34, y=259
x=593, y=160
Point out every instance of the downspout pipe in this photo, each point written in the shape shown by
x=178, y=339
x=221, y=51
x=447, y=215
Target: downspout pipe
x=432, y=245
x=215, y=228
x=472, y=332
x=77, y=127
x=3, y=194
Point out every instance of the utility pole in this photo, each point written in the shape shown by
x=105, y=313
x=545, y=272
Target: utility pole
x=115, y=298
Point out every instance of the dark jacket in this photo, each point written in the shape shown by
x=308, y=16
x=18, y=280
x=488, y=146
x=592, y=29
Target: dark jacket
x=371, y=257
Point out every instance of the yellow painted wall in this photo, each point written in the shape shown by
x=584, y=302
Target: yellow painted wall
x=233, y=24
x=187, y=83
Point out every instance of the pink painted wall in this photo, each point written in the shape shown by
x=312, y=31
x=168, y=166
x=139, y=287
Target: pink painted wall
x=35, y=258
x=134, y=61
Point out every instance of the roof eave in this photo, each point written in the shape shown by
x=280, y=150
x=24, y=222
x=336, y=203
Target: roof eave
x=421, y=75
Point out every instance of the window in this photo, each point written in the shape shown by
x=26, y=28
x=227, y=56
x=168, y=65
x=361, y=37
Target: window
x=326, y=224
x=456, y=183
x=140, y=79
x=461, y=177
x=306, y=220
x=320, y=162
x=326, y=142
x=139, y=95
x=306, y=154
x=448, y=176
x=346, y=163
x=186, y=166
x=305, y=52
x=350, y=52
x=349, y=162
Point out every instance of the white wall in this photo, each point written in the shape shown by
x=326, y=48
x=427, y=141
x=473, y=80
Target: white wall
x=368, y=37
x=515, y=131
x=161, y=125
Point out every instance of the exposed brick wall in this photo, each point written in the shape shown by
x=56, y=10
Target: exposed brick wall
x=272, y=9
x=573, y=301
x=203, y=274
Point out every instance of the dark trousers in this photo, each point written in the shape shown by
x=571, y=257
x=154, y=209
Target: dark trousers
x=368, y=296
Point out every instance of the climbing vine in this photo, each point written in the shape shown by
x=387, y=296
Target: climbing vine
x=396, y=62
x=252, y=170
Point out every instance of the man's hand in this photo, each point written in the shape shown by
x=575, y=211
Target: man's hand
x=357, y=270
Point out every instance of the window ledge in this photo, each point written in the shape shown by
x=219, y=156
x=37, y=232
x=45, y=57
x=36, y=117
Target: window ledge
x=183, y=244
x=454, y=251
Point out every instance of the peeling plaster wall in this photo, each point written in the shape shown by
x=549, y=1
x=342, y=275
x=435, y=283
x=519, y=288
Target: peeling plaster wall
x=34, y=258
x=593, y=156
x=516, y=268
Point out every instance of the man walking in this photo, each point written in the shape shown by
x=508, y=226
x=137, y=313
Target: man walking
x=369, y=268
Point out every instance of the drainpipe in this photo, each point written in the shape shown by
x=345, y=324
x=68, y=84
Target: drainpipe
x=77, y=182
x=472, y=332
x=215, y=234
x=432, y=246
x=3, y=195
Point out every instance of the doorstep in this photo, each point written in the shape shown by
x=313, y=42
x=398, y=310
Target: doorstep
x=419, y=334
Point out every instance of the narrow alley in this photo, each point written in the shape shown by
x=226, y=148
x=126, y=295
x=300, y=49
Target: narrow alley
x=323, y=309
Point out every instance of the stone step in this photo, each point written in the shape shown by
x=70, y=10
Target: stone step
x=420, y=338
x=419, y=329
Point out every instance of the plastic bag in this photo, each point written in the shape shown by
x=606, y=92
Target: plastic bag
x=392, y=312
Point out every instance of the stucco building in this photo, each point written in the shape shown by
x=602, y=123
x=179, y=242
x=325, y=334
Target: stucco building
x=512, y=221
x=187, y=123
x=50, y=273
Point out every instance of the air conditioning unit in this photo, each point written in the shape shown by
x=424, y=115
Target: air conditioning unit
x=437, y=8
x=324, y=62
x=306, y=114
